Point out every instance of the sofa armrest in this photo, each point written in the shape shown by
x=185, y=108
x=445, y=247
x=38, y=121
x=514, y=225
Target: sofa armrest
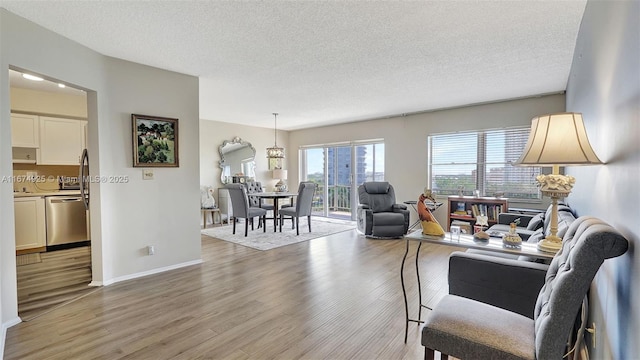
x=508, y=218
x=509, y=284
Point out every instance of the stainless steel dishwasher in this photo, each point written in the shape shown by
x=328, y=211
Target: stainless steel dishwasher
x=66, y=220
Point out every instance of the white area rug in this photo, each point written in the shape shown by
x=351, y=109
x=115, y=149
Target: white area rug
x=257, y=239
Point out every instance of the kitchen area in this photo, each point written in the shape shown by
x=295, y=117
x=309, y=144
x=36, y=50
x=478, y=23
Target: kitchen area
x=52, y=226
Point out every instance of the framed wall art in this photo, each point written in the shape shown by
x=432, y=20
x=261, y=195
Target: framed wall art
x=155, y=141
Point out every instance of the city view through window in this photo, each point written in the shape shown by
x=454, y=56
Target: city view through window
x=338, y=171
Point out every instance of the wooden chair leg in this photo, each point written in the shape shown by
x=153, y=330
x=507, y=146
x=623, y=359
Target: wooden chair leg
x=234, y=226
x=309, y=222
x=251, y=224
x=264, y=223
x=297, y=225
x=246, y=227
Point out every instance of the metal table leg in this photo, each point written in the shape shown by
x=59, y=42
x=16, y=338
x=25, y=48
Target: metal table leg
x=404, y=290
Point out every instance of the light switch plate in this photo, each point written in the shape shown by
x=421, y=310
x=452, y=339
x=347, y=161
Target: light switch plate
x=147, y=174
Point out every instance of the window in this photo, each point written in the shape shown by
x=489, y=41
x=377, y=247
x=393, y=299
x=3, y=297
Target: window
x=482, y=160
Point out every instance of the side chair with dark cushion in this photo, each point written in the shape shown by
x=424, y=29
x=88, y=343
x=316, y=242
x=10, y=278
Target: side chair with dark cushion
x=303, y=205
x=472, y=329
x=241, y=208
x=378, y=213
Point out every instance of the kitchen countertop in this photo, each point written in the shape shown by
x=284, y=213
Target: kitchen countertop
x=46, y=193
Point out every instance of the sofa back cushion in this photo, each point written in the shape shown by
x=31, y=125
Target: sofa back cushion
x=536, y=222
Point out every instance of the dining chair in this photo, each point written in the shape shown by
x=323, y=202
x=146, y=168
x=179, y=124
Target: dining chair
x=254, y=201
x=306, y=190
x=241, y=208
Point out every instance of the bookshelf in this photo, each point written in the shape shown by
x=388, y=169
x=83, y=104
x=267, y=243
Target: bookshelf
x=472, y=206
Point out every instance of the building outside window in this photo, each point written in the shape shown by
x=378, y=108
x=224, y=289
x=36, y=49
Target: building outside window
x=482, y=160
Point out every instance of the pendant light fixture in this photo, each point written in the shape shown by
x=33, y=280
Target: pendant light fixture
x=275, y=152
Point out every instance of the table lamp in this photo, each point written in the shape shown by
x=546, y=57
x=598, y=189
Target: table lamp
x=557, y=140
x=280, y=175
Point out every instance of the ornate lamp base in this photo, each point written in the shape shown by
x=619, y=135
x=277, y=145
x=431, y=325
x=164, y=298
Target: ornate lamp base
x=556, y=187
x=550, y=244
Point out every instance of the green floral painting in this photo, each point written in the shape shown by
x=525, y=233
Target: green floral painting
x=155, y=141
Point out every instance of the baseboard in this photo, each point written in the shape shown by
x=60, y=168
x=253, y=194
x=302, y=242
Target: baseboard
x=3, y=334
x=150, y=272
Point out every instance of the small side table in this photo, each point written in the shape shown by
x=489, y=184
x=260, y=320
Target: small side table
x=213, y=212
x=431, y=206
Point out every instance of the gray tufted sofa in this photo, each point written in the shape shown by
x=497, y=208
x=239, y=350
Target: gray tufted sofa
x=378, y=214
x=468, y=326
x=534, y=228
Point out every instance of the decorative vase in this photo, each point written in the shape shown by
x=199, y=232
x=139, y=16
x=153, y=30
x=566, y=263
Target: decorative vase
x=512, y=239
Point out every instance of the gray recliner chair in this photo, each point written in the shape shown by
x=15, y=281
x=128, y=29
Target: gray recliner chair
x=378, y=214
x=472, y=324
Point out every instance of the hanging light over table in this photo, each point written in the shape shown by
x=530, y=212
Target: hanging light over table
x=275, y=152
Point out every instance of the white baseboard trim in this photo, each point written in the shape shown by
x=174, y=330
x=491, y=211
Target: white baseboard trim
x=3, y=335
x=150, y=272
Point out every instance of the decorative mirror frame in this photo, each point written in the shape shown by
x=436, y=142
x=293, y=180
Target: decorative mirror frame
x=223, y=163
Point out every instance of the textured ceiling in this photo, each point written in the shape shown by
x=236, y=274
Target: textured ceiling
x=327, y=62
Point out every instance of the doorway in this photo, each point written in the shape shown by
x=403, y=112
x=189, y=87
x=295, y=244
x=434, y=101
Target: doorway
x=338, y=170
x=49, y=129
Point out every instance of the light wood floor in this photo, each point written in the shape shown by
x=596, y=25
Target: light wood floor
x=337, y=297
x=60, y=276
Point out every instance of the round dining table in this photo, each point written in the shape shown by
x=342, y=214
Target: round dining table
x=275, y=196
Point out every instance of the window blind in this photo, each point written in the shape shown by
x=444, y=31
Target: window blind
x=481, y=160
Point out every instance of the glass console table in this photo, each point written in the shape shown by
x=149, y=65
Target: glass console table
x=464, y=241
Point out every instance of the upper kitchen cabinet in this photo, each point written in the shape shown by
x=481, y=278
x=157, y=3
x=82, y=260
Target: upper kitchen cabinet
x=61, y=141
x=25, y=131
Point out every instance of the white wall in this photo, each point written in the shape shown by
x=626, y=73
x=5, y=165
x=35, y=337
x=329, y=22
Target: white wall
x=124, y=217
x=405, y=139
x=605, y=86
x=214, y=133
x=49, y=103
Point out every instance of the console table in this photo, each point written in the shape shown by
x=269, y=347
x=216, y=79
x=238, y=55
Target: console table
x=465, y=241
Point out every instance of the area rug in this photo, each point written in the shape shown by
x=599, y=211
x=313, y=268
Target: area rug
x=257, y=239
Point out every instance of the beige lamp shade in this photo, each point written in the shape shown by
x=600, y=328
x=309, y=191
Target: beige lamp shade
x=279, y=174
x=558, y=139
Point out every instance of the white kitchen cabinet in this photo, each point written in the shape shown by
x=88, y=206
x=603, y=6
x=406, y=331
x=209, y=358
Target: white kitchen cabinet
x=30, y=223
x=61, y=141
x=25, y=131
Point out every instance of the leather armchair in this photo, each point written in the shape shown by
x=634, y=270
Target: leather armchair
x=473, y=322
x=378, y=214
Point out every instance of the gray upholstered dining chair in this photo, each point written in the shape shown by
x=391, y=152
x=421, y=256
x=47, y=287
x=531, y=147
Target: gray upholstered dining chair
x=241, y=208
x=471, y=329
x=256, y=187
x=304, y=201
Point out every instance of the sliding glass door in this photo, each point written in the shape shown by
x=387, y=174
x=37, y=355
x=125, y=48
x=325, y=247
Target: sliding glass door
x=339, y=170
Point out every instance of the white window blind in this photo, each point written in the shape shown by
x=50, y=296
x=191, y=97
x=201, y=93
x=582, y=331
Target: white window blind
x=482, y=160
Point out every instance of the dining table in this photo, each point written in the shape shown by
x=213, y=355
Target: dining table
x=275, y=196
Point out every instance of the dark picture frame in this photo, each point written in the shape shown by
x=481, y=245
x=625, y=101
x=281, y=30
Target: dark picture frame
x=155, y=141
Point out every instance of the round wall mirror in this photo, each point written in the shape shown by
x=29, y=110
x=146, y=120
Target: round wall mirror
x=237, y=158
